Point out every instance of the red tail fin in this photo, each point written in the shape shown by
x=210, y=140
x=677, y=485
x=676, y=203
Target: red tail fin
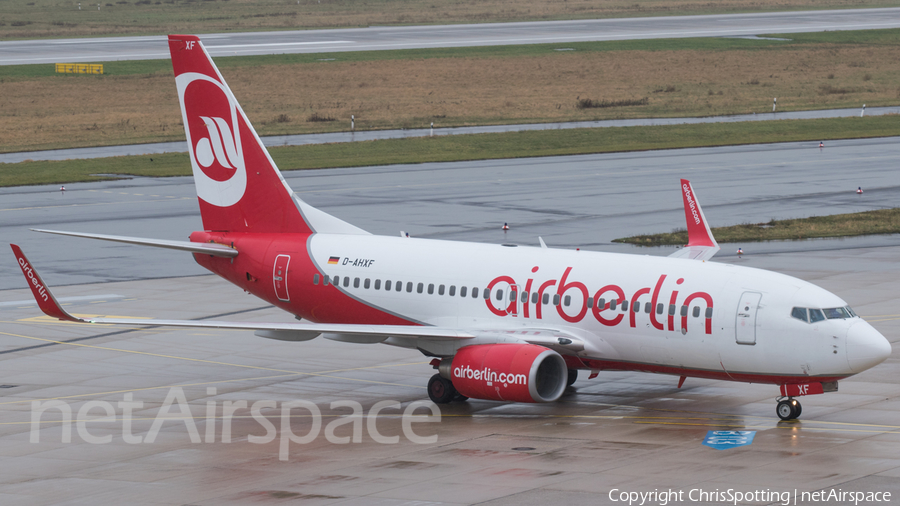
x=239, y=187
x=698, y=230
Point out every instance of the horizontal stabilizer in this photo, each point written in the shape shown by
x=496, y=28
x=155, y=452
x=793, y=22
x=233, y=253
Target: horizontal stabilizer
x=218, y=250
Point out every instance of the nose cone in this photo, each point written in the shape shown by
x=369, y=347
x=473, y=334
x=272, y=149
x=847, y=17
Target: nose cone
x=866, y=347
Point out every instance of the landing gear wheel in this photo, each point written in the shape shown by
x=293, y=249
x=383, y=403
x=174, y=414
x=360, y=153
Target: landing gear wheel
x=788, y=409
x=440, y=389
x=573, y=375
x=784, y=410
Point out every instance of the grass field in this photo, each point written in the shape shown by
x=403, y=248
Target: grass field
x=24, y=19
x=136, y=101
x=881, y=221
x=471, y=147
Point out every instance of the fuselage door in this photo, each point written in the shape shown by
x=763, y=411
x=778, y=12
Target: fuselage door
x=279, y=276
x=745, y=322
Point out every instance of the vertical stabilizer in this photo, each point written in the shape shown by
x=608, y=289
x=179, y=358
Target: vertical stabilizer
x=239, y=188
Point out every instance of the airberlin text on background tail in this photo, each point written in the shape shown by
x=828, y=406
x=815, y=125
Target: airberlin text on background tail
x=502, y=322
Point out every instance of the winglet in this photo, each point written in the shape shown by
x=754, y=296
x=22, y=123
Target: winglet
x=698, y=229
x=46, y=301
x=701, y=243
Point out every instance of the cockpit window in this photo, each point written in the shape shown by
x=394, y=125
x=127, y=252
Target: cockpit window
x=800, y=314
x=836, y=313
x=852, y=313
x=815, y=315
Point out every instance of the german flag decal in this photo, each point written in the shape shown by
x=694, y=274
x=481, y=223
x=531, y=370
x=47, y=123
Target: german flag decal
x=333, y=260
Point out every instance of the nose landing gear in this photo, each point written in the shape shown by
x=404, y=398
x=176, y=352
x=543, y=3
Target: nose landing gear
x=788, y=408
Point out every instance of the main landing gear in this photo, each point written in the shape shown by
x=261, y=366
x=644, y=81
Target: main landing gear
x=788, y=409
x=442, y=391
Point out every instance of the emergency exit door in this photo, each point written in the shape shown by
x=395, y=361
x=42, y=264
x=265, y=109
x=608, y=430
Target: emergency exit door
x=279, y=276
x=745, y=322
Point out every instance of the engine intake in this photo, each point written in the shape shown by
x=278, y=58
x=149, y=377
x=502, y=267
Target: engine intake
x=509, y=372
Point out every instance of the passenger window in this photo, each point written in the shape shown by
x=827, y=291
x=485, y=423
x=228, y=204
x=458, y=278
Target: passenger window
x=601, y=304
x=337, y=281
x=556, y=299
x=672, y=309
x=420, y=287
x=366, y=283
x=648, y=307
x=387, y=285
x=636, y=307
x=462, y=291
x=398, y=285
x=430, y=288
x=441, y=290
x=567, y=301
x=474, y=292
x=659, y=308
x=378, y=284
x=613, y=304
x=800, y=314
x=409, y=287
x=709, y=312
x=347, y=281
x=696, y=311
x=499, y=294
x=452, y=291
x=512, y=295
x=487, y=294
x=546, y=299
x=315, y=279
x=590, y=302
x=684, y=310
x=534, y=297
x=624, y=305
x=325, y=280
x=815, y=315
x=355, y=282
x=524, y=297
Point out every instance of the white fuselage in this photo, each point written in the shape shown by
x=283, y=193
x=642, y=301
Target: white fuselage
x=704, y=318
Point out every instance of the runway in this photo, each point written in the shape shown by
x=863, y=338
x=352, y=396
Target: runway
x=621, y=432
x=415, y=37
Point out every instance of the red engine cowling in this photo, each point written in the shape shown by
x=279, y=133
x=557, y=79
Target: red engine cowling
x=509, y=372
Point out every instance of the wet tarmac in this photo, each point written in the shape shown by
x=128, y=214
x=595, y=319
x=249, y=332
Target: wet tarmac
x=621, y=432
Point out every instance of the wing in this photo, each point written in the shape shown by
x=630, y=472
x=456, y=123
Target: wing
x=701, y=243
x=555, y=339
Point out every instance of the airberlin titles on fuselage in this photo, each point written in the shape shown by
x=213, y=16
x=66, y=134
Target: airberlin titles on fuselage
x=533, y=305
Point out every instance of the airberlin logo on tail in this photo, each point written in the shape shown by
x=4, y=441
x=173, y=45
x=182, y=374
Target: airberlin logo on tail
x=213, y=125
x=37, y=287
x=218, y=147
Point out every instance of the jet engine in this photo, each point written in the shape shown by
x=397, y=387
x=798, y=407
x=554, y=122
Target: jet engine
x=508, y=372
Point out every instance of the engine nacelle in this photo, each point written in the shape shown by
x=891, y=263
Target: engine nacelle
x=509, y=372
